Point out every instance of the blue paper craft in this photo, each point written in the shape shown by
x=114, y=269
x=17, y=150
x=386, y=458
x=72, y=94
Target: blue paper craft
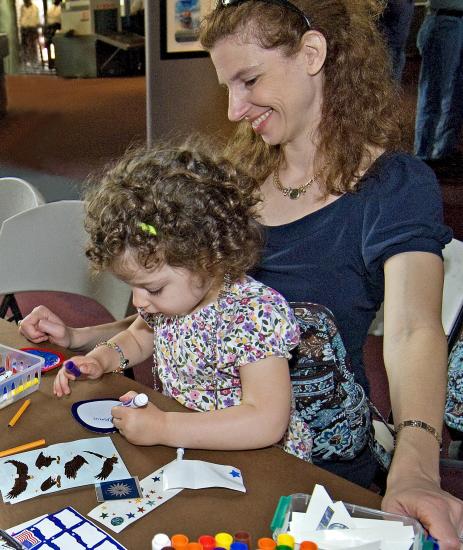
x=65, y=530
x=95, y=414
x=53, y=359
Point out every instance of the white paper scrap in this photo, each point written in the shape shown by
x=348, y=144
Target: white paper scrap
x=198, y=474
x=119, y=514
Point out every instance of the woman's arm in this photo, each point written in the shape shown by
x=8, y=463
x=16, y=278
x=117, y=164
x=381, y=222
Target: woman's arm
x=43, y=325
x=260, y=420
x=415, y=356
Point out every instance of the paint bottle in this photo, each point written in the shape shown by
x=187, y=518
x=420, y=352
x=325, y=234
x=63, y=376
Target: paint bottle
x=159, y=541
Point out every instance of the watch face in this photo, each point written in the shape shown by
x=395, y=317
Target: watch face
x=53, y=359
x=95, y=414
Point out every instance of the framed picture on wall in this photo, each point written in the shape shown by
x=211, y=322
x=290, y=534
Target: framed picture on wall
x=179, y=22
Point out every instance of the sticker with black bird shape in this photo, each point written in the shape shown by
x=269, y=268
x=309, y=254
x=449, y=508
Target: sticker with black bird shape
x=43, y=461
x=73, y=466
x=108, y=464
x=22, y=477
x=51, y=482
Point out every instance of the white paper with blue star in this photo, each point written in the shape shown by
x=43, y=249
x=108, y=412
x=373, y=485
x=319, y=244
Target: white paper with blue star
x=198, y=474
x=119, y=514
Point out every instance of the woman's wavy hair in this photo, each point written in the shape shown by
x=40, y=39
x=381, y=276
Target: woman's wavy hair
x=362, y=107
x=202, y=209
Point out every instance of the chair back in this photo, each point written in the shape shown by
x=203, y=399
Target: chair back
x=42, y=249
x=17, y=195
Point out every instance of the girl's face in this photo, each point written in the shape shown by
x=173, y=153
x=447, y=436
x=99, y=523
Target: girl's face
x=275, y=93
x=168, y=290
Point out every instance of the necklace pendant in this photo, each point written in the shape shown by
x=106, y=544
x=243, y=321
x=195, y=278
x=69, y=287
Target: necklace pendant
x=294, y=194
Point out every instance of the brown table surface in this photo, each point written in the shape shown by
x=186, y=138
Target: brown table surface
x=267, y=473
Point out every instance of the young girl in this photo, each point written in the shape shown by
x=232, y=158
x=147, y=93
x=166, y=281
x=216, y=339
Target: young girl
x=180, y=228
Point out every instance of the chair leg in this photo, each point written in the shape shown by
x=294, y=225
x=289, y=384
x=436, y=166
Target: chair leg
x=9, y=303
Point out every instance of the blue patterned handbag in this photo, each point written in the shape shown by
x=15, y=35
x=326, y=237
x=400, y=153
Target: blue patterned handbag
x=326, y=394
x=454, y=404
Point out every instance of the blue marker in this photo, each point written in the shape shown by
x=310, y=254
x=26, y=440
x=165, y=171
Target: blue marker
x=139, y=400
x=71, y=367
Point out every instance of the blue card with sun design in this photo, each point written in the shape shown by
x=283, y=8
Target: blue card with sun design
x=118, y=489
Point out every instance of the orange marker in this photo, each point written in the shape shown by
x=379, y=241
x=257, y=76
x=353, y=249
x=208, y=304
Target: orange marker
x=20, y=448
x=18, y=415
x=179, y=541
x=266, y=543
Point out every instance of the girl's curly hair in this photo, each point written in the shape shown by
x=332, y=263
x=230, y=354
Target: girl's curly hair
x=362, y=109
x=202, y=208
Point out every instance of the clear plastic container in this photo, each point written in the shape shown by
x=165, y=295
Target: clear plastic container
x=299, y=502
x=26, y=370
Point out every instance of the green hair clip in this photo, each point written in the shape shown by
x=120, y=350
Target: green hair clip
x=147, y=228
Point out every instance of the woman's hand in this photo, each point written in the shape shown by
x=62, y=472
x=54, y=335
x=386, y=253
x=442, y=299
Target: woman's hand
x=440, y=513
x=89, y=367
x=140, y=426
x=43, y=325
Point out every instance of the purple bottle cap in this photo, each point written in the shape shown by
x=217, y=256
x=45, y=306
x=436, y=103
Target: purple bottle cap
x=72, y=368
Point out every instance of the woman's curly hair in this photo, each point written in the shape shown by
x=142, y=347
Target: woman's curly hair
x=202, y=208
x=362, y=108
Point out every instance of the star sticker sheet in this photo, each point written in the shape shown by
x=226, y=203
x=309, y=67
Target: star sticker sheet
x=119, y=514
x=58, y=467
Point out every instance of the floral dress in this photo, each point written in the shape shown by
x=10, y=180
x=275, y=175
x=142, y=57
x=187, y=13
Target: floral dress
x=198, y=357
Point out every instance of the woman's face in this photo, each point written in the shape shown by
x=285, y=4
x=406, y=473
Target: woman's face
x=275, y=93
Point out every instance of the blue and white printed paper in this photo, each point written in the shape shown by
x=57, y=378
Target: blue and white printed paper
x=65, y=530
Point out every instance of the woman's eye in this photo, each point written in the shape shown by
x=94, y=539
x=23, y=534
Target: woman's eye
x=250, y=82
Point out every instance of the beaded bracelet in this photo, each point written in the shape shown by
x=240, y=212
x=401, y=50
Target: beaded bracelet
x=123, y=362
x=422, y=425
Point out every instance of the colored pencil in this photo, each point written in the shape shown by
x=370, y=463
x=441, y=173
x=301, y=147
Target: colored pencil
x=18, y=415
x=20, y=448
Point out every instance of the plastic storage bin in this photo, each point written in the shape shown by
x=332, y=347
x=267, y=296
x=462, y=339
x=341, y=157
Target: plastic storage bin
x=299, y=502
x=26, y=369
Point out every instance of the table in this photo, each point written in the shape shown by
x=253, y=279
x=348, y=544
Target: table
x=268, y=473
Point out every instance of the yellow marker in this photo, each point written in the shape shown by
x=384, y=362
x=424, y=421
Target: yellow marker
x=223, y=540
x=285, y=539
x=17, y=416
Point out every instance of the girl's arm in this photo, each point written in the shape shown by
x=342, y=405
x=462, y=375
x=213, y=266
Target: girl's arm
x=260, y=420
x=136, y=344
x=415, y=356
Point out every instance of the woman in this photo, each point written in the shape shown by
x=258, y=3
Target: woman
x=349, y=221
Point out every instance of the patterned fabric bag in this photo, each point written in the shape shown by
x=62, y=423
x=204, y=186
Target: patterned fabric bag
x=454, y=405
x=327, y=396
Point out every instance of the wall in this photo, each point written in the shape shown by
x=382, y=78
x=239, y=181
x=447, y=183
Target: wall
x=186, y=97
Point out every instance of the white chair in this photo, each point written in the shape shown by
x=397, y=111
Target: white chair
x=42, y=249
x=17, y=195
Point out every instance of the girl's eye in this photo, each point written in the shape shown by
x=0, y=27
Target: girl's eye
x=155, y=292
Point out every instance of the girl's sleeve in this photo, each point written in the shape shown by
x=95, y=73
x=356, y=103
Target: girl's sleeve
x=263, y=326
x=403, y=212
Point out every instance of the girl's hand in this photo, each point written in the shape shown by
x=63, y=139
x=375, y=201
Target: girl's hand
x=141, y=426
x=89, y=367
x=43, y=325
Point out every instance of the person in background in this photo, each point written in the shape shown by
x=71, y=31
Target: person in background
x=29, y=22
x=439, y=110
x=349, y=219
x=53, y=25
x=395, y=25
x=178, y=224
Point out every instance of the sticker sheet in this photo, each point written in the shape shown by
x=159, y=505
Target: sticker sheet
x=58, y=467
x=65, y=530
x=119, y=514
